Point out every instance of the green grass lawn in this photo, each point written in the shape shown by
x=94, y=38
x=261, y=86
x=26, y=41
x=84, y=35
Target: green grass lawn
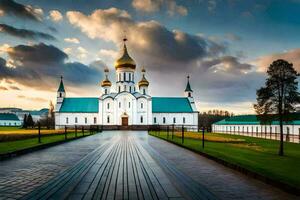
x=255, y=154
x=11, y=146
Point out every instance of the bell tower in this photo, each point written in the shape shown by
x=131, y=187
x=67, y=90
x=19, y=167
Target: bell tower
x=61, y=94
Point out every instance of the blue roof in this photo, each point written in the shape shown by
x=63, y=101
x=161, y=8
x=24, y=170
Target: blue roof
x=254, y=120
x=9, y=116
x=80, y=105
x=171, y=105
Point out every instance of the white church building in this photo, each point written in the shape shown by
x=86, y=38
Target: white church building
x=125, y=103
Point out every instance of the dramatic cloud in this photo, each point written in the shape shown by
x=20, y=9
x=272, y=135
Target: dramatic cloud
x=72, y=40
x=151, y=6
x=148, y=38
x=24, y=33
x=292, y=56
x=19, y=10
x=3, y=88
x=40, y=66
x=55, y=15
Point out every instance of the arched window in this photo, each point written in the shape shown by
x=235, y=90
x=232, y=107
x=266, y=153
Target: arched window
x=76, y=120
x=107, y=106
x=164, y=120
x=130, y=89
x=144, y=91
x=142, y=105
x=142, y=119
x=95, y=120
x=154, y=119
x=124, y=76
x=183, y=120
x=105, y=91
x=119, y=104
x=85, y=120
x=60, y=95
x=67, y=120
x=128, y=104
x=119, y=88
x=174, y=120
x=108, y=119
x=129, y=77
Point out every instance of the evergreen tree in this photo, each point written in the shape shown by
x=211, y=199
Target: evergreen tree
x=25, y=121
x=279, y=95
x=30, y=121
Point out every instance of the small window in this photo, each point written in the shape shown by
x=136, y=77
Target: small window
x=67, y=120
x=108, y=119
x=128, y=104
x=183, y=120
x=119, y=104
x=154, y=119
x=142, y=105
x=189, y=94
x=132, y=77
x=105, y=91
x=85, y=119
x=124, y=76
x=95, y=120
x=107, y=106
x=130, y=89
x=60, y=95
x=76, y=120
x=164, y=120
x=119, y=88
x=142, y=119
x=144, y=91
x=174, y=120
x=129, y=77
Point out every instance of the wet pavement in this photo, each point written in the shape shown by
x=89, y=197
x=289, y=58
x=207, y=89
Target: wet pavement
x=125, y=165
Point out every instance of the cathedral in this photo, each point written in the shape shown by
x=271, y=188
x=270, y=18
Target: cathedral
x=125, y=103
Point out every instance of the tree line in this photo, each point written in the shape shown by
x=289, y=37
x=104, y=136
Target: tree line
x=206, y=119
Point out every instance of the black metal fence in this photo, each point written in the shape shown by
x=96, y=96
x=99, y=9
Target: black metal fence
x=294, y=138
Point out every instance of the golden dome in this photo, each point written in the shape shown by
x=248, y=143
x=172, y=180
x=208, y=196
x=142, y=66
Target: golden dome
x=125, y=61
x=143, y=82
x=105, y=82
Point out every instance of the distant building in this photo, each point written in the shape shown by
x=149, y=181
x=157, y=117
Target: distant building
x=9, y=119
x=128, y=104
x=36, y=114
x=252, y=124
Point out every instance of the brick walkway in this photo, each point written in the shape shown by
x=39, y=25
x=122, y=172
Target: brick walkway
x=125, y=165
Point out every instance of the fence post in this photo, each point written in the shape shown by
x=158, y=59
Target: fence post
x=75, y=131
x=82, y=130
x=167, y=132
x=203, y=138
x=65, y=132
x=172, y=131
x=182, y=134
x=39, y=127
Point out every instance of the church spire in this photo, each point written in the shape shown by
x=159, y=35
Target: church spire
x=188, y=86
x=61, y=87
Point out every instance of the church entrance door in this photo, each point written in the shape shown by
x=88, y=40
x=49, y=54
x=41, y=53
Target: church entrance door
x=124, y=121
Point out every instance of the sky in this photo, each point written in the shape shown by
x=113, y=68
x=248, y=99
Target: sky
x=225, y=46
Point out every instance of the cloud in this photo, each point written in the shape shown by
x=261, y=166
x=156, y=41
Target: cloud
x=55, y=15
x=72, y=40
x=36, y=99
x=148, y=38
x=3, y=88
x=111, y=54
x=292, y=56
x=233, y=37
x=151, y=6
x=22, y=11
x=40, y=66
x=14, y=87
x=24, y=33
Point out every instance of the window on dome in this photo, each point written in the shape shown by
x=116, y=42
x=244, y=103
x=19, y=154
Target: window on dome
x=144, y=91
x=124, y=76
x=129, y=77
